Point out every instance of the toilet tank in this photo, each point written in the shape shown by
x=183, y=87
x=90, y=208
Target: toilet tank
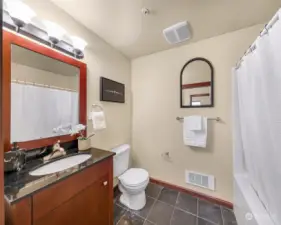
x=121, y=159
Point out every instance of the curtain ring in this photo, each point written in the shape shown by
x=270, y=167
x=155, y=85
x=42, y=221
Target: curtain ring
x=265, y=27
x=262, y=33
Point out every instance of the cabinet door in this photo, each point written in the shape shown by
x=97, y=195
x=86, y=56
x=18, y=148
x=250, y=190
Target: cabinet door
x=21, y=212
x=89, y=207
x=102, y=210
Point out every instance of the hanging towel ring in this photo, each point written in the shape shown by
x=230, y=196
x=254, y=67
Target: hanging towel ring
x=97, y=106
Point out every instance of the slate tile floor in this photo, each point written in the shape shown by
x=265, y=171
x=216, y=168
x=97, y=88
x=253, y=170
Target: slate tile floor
x=169, y=207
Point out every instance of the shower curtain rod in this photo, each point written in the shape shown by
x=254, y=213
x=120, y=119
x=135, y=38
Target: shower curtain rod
x=265, y=30
x=42, y=85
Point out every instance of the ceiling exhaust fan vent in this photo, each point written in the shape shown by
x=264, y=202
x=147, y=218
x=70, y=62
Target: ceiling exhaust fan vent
x=177, y=33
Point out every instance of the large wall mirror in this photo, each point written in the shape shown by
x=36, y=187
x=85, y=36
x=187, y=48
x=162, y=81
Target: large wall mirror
x=45, y=94
x=197, y=84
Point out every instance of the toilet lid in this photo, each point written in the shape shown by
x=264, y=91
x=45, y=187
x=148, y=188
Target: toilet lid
x=134, y=177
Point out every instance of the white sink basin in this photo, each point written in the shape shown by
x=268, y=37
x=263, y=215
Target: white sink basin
x=60, y=165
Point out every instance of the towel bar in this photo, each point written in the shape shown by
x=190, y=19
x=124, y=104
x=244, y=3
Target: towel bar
x=218, y=119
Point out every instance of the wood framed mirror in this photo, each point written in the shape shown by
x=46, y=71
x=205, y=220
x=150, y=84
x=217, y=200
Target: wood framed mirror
x=197, y=84
x=44, y=93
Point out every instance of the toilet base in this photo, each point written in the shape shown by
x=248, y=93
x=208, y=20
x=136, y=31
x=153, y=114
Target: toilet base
x=135, y=202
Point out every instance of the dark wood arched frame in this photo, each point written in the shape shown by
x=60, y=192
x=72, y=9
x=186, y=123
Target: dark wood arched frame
x=10, y=38
x=197, y=85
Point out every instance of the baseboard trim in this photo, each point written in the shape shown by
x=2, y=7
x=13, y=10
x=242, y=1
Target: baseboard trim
x=193, y=193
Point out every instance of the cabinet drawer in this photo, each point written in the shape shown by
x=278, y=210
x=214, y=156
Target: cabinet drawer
x=55, y=195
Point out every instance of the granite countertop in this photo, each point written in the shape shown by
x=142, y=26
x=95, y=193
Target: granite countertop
x=20, y=184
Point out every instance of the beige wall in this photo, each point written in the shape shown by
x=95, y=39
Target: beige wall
x=102, y=60
x=155, y=85
x=30, y=74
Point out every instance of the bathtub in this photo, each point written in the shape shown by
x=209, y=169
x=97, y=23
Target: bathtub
x=248, y=209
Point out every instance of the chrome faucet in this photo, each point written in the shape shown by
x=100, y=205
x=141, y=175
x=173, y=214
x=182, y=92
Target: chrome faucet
x=57, y=152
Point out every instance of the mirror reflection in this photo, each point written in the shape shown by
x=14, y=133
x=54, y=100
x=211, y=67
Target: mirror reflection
x=44, y=96
x=197, y=84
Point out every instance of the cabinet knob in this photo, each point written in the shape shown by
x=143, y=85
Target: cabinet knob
x=105, y=183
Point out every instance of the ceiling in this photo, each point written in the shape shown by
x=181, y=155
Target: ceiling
x=121, y=23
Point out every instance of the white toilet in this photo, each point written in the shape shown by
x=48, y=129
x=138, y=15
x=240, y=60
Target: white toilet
x=132, y=182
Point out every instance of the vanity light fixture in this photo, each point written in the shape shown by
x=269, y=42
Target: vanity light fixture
x=20, y=13
x=17, y=16
x=79, y=45
x=55, y=32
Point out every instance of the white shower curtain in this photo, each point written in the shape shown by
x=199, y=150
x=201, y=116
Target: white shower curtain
x=36, y=111
x=257, y=109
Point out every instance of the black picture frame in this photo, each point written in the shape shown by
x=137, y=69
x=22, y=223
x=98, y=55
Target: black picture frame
x=211, y=85
x=111, y=91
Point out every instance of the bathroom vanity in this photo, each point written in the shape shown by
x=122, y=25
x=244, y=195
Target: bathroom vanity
x=45, y=94
x=82, y=194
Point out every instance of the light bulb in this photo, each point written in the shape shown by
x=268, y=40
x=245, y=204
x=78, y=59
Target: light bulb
x=19, y=12
x=78, y=43
x=55, y=32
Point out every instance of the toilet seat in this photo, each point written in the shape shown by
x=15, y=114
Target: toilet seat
x=134, y=177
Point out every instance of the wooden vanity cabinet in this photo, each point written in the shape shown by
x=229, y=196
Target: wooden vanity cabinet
x=21, y=212
x=90, y=206
x=85, y=198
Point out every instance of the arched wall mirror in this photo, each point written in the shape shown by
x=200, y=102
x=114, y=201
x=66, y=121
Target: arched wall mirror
x=197, y=84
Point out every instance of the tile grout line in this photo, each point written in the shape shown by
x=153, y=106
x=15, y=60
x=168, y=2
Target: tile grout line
x=199, y=217
x=128, y=210
x=132, y=211
x=197, y=213
x=174, y=208
x=186, y=211
x=150, y=211
x=122, y=206
x=222, y=215
x=179, y=207
x=164, y=202
x=161, y=188
x=155, y=199
x=207, y=220
x=120, y=219
x=172, y=215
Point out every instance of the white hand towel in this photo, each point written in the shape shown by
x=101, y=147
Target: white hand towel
x=194, y=122
x=196, y=138
x=98, y=120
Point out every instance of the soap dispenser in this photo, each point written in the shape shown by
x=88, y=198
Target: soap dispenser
x=15, y=159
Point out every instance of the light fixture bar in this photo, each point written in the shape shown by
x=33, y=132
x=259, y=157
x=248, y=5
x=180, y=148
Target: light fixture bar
x=37, y=34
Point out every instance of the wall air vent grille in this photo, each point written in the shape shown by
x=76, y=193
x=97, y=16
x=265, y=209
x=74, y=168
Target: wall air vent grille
x=199, y=179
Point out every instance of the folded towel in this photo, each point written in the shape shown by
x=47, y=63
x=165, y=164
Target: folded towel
x=98, y=120
x=196, y=138
x=194, y=122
